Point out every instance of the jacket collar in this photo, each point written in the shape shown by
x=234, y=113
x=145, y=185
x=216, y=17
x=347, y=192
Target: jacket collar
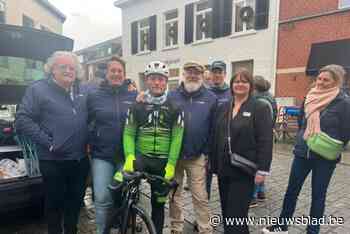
x=114, y=90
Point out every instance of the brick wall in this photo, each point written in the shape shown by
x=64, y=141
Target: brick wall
x=295, y=40
x=295, y=8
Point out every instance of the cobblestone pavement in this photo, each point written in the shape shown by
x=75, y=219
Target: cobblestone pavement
x=338, y=202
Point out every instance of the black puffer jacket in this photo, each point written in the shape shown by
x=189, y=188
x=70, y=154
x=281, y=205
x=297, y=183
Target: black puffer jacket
x=251, y=136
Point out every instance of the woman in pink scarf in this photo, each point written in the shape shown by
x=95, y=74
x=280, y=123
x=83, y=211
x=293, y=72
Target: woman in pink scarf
x=327, y=109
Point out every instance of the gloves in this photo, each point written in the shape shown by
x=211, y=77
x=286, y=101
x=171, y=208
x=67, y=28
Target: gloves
x=129, y=163
x=169, y=172
x=118, y=176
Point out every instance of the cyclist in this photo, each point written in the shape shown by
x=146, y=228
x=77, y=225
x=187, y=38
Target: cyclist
x=153, y=136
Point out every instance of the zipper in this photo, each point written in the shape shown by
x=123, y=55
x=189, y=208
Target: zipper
x=155, y=130
x=308, y=154
x=190, y=112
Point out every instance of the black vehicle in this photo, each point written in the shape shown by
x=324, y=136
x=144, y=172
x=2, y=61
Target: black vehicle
x=35, y=46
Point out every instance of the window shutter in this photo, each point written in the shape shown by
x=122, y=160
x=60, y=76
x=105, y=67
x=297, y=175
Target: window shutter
x=189, y=23
x=217, y=10
x=134, y=37
x=153, y=33
x=261, y=14
x=227, y=14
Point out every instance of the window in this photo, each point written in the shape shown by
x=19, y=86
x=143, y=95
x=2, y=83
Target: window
x=27, y=22
x=44, y=28
x=144, y=35
x=171, y=28
x=247, y=65
x=344, y=3
x=2, y=12
x=202, y=20
x=4, y=62
x=31, y=64
x=243, y=15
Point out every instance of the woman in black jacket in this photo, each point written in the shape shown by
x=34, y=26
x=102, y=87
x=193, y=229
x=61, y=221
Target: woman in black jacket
x=247, y=122
x=327, y=109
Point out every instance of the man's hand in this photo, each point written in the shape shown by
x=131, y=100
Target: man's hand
x=169, y=172
x=129, y=163
x=140, y=97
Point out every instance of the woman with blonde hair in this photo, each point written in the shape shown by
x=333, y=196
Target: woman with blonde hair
x=325, y=129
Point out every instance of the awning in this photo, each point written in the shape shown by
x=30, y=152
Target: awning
x=25, y=42
x=325, y=53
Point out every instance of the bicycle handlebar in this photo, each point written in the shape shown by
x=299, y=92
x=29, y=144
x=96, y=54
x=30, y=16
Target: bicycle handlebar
x=144, y=175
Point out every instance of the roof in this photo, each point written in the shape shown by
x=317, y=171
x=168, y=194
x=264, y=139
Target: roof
x=123, y=3
x=52, y=9
x=117, y=40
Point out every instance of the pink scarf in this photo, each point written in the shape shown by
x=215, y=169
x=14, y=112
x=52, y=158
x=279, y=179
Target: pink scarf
x=316, y=101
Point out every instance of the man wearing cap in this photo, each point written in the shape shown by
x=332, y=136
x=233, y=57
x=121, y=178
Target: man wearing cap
x=223, y=94
x=219, y=87
x=198, y=105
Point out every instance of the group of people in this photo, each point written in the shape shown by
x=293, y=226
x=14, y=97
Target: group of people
x=203, y=127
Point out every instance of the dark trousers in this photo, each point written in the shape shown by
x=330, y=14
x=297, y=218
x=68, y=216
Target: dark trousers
x=235, y=196
x=322, y=172
x=64, y=185
x=154, y=166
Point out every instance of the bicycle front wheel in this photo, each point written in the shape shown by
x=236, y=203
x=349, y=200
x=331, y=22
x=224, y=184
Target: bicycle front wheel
x=140, y=222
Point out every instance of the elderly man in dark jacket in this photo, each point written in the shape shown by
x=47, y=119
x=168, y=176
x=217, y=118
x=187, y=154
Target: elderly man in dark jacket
x=53, y=115
x=198, y=104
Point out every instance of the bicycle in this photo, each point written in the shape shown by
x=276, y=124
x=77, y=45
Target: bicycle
x=131, y=215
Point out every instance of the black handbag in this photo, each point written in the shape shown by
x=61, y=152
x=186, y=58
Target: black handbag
x=237, y=160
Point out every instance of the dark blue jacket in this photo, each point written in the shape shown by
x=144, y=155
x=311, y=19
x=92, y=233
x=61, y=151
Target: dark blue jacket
x=223, y=94
x=199, y=108
x=108, y=108
x=49, y=117
x=334, y=121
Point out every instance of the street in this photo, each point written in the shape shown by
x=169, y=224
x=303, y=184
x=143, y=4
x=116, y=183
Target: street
x=337, y=205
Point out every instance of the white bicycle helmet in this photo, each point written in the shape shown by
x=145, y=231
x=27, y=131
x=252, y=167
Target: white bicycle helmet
x=157, y=67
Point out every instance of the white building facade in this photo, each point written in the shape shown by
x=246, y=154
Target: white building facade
x=242, y=33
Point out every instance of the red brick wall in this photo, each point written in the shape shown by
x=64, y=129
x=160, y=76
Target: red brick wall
x=295, y=39
x=294, y=44
x=295, y=8
x=292, y=85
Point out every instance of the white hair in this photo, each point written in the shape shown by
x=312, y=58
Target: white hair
x=52, y=59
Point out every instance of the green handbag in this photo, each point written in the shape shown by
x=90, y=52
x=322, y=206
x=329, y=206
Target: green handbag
x=324, y=145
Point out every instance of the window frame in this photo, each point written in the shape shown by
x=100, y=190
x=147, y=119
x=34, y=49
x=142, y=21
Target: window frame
x=342, y=5
x=165, y=23
x=203, y=13
x=25, y=17
x=139, y=31
x=245, y=4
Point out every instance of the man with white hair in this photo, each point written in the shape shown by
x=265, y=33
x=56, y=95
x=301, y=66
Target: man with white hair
x=53, y=115
x=198, y=104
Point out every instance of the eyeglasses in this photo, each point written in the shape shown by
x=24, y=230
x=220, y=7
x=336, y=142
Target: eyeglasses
x=193, y=72
x=65, y=67
x=240, y=81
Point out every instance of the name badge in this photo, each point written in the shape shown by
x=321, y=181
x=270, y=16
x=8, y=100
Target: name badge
x=247, y=114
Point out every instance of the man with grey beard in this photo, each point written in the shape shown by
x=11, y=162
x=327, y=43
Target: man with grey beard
x=198, y=104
